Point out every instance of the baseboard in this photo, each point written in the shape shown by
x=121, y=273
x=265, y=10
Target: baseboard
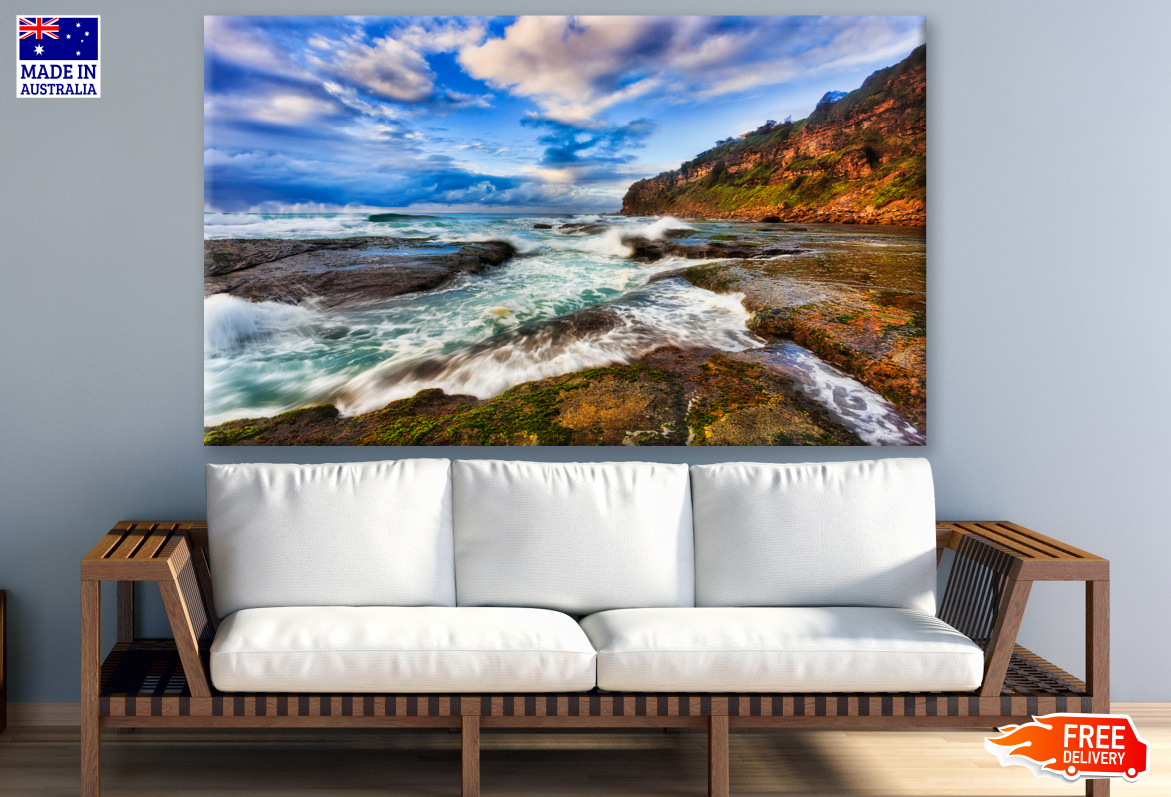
x=1144, y=713
x=33, y=714
x=41, y=714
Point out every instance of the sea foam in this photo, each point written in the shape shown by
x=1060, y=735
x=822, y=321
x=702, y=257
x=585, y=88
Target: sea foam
x=229, y=322
x=667, y=313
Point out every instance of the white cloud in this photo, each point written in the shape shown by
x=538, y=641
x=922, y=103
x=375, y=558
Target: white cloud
x=395, y=66
x=567, y=66
x=438, y=35
x=279, y=109
x=387, y=68
x=574, y=68
x=566, y=175
x=350, y=98
x=245, y=46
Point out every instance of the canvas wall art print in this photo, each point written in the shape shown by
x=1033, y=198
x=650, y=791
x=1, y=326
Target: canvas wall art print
x=565, y=231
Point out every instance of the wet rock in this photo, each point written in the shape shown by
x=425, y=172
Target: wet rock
x=223, y=256
x=400, y=217
x=621, y=412
x=349, y=271
x=770, y=220
x=580, y=228
x=542, y=226
x=743, y=404
x=880, y=345
x=647, y=251
x=885, y=348
x=322, y=426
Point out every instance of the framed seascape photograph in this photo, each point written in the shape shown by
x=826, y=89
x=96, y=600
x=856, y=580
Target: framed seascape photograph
x=565, y=230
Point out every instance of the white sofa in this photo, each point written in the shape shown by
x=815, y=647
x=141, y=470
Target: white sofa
x=493, y=576
x=485, y=594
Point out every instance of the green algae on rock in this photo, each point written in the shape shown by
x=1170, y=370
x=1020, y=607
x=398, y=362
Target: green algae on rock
x=882, y=346
x=671, y=398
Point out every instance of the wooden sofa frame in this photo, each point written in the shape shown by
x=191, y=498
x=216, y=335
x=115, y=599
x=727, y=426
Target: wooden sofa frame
x=163, y=683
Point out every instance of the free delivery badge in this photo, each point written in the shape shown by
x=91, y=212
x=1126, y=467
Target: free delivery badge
x=1070, y=747
x=58, y=56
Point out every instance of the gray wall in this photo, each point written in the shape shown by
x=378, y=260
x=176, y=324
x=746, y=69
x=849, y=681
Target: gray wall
x=1048, y=278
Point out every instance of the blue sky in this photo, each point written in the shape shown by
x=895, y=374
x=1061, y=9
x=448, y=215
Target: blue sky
x=502, y=114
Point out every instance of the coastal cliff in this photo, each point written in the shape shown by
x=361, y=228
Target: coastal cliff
x=859, y=158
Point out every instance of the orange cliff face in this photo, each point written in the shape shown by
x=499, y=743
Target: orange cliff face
x=858, y=160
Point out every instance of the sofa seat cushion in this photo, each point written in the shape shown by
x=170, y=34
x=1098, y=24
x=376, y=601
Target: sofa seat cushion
x=400, y=650
x=829, y=649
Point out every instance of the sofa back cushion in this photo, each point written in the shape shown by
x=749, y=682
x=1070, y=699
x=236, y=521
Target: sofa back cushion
x=355, y=534
x=575, y=537
x=824, y=534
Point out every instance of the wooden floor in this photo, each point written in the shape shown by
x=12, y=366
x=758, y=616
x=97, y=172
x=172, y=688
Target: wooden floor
x=43, y=761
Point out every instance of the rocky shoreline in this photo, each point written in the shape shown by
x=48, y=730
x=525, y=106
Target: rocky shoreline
x=671, y=396
x=863, y=332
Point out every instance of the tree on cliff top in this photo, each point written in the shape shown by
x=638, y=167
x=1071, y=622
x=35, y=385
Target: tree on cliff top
x=829, y=98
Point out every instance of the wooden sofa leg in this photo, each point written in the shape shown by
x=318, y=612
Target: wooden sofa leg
x=91, y=651
x=717, y=757
x=1098, y=662
x=470, y=755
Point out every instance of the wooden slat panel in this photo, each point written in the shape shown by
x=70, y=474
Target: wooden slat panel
x=1027, y=544
x=1069, y=550
x=155, y=541
x=131, y=541
x=198, y=533
x=993, y=710
x=203, y=575
x=109, y=542
x=174, y=710
x=1003, y=638
x=182, y=570
x=943, y=534
x=126, y=611
x=974, y=588
x=186, y=640
x=1038, y=558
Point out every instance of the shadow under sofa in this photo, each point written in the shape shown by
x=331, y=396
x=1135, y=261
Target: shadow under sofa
x=480, y=594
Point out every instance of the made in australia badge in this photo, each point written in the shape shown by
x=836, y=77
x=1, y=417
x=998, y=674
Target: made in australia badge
x=58, y=56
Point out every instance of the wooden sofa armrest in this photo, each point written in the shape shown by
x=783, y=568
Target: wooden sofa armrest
x=162, y=552
x=991, y=577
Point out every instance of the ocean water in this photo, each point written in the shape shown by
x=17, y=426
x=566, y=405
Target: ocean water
x=567, y=302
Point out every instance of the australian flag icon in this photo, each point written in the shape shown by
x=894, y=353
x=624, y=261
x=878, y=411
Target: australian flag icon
x=58, y=38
